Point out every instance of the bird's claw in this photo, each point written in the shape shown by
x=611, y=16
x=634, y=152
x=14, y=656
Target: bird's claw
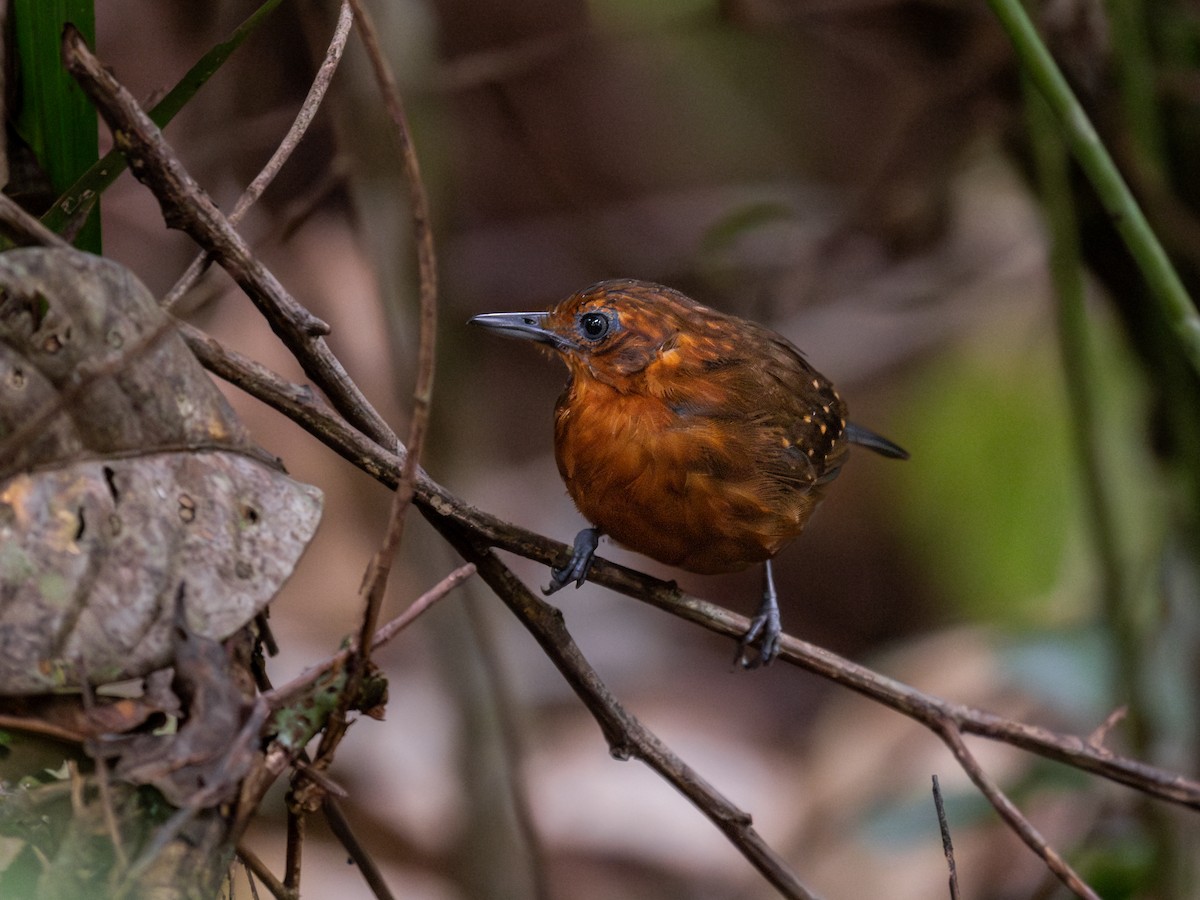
x=578, y=566
x=760, y=644
x=765, y=630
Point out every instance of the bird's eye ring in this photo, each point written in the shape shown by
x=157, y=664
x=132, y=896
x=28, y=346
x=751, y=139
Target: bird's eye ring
x=593, y=325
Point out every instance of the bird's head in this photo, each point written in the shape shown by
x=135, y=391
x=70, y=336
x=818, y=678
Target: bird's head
x=614, y=329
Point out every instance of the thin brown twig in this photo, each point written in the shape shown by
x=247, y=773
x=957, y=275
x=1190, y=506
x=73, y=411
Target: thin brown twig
x=291, y=140
x=1013, y=816
x=342, y=830
x=259, y=870
x=1114, y=718
x=375, y=581
x=186, y=206
x=947, y=843
x=88, y=697
x=427, y=288
x=285, y=693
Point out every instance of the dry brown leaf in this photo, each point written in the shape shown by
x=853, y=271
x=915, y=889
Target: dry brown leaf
x=204, y=761
x=123, y=473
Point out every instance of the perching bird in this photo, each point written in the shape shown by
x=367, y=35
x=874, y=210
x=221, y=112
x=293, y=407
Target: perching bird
x=699, y=439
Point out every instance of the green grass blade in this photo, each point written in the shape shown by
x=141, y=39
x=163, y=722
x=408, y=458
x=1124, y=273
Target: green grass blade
x=105, y=171
x=55, y=118
x=1170, y=297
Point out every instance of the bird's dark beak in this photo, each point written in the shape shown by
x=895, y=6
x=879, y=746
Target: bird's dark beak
x=529, y=326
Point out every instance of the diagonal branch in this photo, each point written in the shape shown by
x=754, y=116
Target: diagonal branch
x=627, y=737
x=291, y=140
x=187, y=207
x=1008, y=811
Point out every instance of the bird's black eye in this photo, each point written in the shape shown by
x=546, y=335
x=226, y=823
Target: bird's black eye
x=593, y=325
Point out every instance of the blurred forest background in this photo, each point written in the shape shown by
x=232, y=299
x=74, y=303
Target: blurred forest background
x=861, y=176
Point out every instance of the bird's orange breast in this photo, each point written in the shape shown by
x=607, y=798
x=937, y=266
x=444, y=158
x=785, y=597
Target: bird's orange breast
x=704, y=492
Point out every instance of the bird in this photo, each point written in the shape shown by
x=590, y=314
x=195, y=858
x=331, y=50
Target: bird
x=700, y=439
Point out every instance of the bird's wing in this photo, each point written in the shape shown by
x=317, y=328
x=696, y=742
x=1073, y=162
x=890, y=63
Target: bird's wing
x=782, y=421
x=803, y=419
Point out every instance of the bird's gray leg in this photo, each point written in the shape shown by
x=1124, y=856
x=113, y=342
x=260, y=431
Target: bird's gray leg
x=764, y=631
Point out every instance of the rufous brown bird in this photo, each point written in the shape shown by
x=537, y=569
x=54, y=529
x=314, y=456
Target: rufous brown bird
x=700, y=439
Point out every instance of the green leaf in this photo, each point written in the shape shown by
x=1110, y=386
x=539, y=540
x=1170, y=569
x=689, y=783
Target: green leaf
x=55, y=118
x=104, y=172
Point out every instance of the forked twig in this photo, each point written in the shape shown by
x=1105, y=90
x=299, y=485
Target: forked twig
x=186, y=206
x=1013, y=816
x=304, y=118
x=285, y=693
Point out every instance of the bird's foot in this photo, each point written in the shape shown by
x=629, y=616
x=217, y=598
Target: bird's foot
x=578, y=565
x=760, y=644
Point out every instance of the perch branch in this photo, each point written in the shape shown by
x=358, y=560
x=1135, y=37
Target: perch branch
x=438, y=504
